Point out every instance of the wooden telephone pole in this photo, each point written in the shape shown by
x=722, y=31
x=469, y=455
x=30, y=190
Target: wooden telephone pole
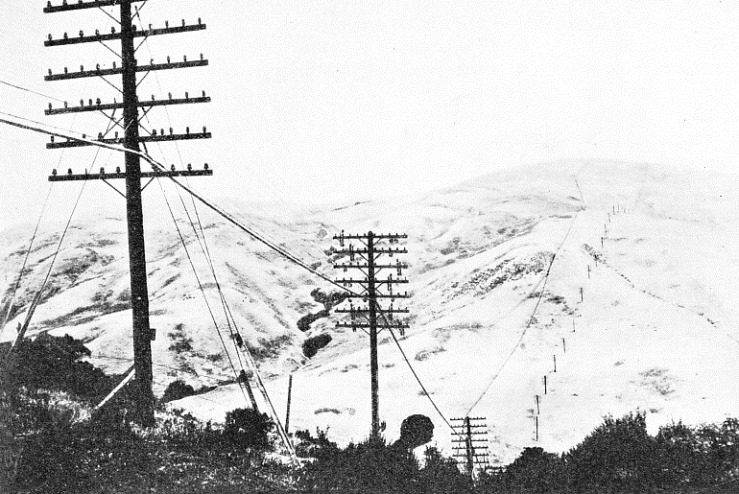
x=142, y=333
x=470, y=443
x=372, y=292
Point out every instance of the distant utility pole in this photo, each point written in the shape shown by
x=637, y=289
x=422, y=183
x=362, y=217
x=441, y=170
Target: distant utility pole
x=130, y=104
x=470, y=442
x=371, y=290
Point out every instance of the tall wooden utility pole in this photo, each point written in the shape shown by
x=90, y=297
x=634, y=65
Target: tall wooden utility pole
x=371, y=292
x=135, y=218
x=142, y=333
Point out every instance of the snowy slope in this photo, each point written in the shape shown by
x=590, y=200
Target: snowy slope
x=656, y=327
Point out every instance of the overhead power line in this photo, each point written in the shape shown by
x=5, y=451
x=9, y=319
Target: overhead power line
x=25, y=261
x=531, y=318
x=37, y=299
x=159, y=167
x=231, y=219
x=202, y=290
x=418, y=379
x=21, y=88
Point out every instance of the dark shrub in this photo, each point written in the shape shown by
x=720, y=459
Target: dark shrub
x=682, y=453
x=247, y=428
x=369, y=467
x=415, y=431
x=312, y=345
x=535, y=471
x=315, y=447
x=375, y=467
x=714, y=455
x=51, y=362
x=308, y=319
x=619, y=454
x=441, y=475
x=329, y=300
x=177, y=390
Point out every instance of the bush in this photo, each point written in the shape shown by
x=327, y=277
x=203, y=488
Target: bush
x=370, y=467
x=45, y=428
x=415, y=430
x=619, y=457
x=441, y=475
x=315, y=343
x=375, y=467
x=269, y=349
x=535, y=471
x=62, y=446
x=329, y=300
x=315, y=447
x=704, y=455
x=680, y=449
x=52, y=363
x=177, y=390
x=247, y=428
x=617, y=454
x=104, y=454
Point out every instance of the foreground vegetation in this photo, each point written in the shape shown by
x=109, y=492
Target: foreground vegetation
x=619, y=456
x=53, y=442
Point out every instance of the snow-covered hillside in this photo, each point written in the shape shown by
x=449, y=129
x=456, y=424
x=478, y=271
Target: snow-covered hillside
x=625, y=273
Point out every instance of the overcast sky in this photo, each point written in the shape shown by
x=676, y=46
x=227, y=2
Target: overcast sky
x=347, y=100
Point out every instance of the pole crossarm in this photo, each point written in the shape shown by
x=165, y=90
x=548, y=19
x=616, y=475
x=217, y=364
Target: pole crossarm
x=119, y=140
x=388, y=281
x=143, y=334
x=98, y=106
x=398, y=265
x=113, y=35
x=64, y=7
x=381, y=250
x=365, y=236
x=366, y=317
x=389, y=295
x=469, y=443
x=366, y=311
x=111, y=176
x=401, y=326
x=98, y=72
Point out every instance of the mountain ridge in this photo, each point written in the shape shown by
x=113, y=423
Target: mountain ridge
x=481, y=306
